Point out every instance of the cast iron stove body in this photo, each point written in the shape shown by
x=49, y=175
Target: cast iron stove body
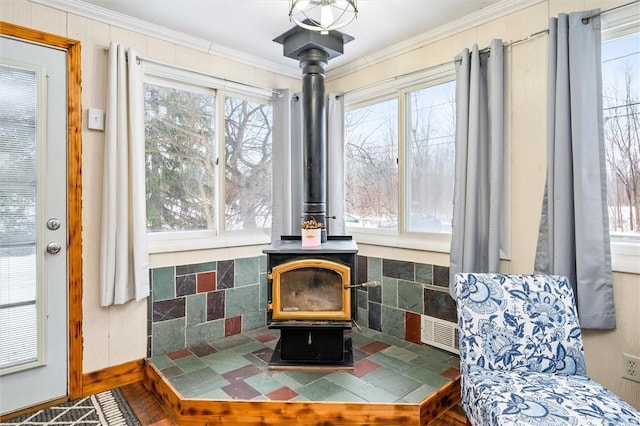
x=312, y=301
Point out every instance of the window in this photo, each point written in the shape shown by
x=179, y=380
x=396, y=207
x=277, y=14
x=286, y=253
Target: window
x=430, y=161
x=402, y=182
x=247, y=127
x=180, y=143
x=371, y=172
x=208, y=161
x=621, y=115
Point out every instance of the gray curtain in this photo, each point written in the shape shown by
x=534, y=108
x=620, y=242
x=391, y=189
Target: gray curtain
x=288, y=163
x=478, y=187
x=574, y=230
x=287, y=167
x=335, y=164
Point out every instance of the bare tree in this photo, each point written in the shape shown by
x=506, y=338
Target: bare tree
x=248, y=159
x=432, y=155
x=182, y=160
x=371, y=178
x=622, y=147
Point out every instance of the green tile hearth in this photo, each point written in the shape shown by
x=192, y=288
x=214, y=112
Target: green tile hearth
x=386, y=370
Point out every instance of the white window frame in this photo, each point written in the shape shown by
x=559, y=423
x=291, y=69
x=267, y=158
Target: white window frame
x=176, y=241
x=625, y=255
x=398, y=88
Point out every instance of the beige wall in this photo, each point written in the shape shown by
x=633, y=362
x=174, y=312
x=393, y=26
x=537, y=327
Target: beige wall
x=116, y=335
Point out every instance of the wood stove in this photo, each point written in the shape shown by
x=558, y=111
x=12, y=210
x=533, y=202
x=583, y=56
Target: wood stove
x=312, y=301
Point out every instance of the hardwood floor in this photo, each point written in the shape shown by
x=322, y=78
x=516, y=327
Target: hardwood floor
x=454, y=417
x=151, y=413
x=146, y=406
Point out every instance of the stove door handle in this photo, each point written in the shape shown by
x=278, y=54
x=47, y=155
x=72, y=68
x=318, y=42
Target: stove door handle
x=365, y=284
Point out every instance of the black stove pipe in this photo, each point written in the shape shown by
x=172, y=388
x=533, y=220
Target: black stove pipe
x=314, y=139
x=313, y=51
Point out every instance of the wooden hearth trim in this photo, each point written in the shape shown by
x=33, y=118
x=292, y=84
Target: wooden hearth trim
x=166, y=394
x=189, y=411
x=440, y=401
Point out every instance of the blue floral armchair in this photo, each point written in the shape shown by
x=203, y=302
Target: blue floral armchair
x=521, y=355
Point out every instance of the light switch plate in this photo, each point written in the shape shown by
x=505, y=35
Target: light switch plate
x=95, y=119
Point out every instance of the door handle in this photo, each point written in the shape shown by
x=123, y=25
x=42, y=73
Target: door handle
x=53, y=248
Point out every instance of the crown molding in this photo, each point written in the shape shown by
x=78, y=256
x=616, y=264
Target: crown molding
x=489, y=13
x=100, y=14
x=97, y=13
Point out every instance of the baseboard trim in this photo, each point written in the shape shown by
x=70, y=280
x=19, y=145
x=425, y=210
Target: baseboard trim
x=13, y=414
x=112, y=377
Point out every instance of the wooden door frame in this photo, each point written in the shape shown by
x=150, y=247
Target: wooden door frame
x=74, y=190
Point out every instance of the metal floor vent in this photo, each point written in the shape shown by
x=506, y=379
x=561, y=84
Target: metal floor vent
x=439, y=333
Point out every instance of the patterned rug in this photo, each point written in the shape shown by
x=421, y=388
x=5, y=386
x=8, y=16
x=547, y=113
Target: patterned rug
x=108, y=408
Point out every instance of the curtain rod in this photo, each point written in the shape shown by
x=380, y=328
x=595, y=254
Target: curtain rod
x=486, y=49
x=175, y=67
x=587, y=18
x=226, y=80
x=452, y=61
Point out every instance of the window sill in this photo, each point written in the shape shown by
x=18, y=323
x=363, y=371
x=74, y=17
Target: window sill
x=172, y=243
x=440, y=243
x=625, y=257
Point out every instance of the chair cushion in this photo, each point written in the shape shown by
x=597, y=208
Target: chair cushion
x=540, y=399
x=519, y=322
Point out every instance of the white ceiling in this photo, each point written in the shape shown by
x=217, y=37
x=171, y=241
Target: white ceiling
x=246, y=28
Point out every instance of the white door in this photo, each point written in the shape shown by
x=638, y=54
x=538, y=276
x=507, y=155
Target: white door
x=33, y=225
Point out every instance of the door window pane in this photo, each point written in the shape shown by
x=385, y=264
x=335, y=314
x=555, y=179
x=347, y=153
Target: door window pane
x=18, y=316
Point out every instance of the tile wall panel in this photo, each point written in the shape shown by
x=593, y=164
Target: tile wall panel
x=164, y=310
x=185, y=285
x=215, y=305
x=390, y=292
x=163, y=283
x=374, y=316
x=196, y=309
x=441, y=276
x=225, y=274
x=440, y=305
x=424, y=273
x=412, y=327
x=398, y=269
x=206, y=282
x=192, y=304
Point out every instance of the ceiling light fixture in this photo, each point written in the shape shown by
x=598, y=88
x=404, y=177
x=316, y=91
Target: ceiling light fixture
x=322, y=15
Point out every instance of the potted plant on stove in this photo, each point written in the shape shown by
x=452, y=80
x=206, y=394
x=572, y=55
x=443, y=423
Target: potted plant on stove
x=311, y=232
